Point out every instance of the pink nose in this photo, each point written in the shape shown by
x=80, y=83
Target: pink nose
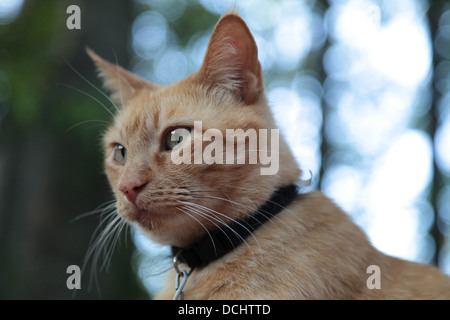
x=132, y=188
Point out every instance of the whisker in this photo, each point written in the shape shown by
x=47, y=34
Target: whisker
x=90, y=96
x=99, y=248
x=86, y=121
x=204, y=214
x=92, y=85
x=281, y=206
x=245, y=208
x=207, y=216
x=98, y=243
x=217, y=191
x=235, y=221
x=108, y=206
x=264, y=213
x=216, y=185
x=103, y=242
x=118, y=77
x=209, y=234
x=92, y=247
x=214, y=211
x=231, y=192
x=109, y=249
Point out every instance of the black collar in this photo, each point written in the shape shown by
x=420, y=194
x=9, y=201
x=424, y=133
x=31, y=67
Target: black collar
x=222, y=240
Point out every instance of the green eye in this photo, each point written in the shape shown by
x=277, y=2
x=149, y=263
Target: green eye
x=175, y=137
x=119, y=154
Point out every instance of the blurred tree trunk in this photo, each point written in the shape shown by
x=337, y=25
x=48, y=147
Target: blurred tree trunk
x=324, y=145
x=49, y=174
x=434, y=13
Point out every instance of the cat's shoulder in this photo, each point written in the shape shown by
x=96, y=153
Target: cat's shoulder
x=316, y=213
x=318, y=203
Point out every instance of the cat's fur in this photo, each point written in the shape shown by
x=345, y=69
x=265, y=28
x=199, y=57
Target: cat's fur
x=311, y=250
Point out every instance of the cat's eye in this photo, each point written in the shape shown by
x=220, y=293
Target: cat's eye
x=175, y=137
x=119, y=154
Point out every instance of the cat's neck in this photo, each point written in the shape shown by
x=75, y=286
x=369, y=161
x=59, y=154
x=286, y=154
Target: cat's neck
x=223, y=240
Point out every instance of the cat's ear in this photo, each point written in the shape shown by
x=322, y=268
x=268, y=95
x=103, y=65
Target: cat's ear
x=231, y=61
x=121, y=83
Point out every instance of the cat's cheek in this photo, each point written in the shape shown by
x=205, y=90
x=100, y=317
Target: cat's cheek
x=113, y=173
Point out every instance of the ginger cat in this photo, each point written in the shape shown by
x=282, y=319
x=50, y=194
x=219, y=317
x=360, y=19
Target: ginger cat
x=309, y=250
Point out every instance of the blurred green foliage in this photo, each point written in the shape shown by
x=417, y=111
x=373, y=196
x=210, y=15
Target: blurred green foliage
x=50, y=152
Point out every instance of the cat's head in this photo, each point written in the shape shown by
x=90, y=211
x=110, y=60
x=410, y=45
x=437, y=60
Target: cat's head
x=175, y=203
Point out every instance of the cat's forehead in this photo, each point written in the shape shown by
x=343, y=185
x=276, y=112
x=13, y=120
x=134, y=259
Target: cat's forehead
x=175, y=103
x=149, y=113
x=152, y=110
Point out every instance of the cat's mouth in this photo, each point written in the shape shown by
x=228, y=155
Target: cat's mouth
x=146, y=219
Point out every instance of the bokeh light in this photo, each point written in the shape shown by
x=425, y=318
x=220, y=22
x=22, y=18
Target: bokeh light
x=354, y=76
x=9, y=10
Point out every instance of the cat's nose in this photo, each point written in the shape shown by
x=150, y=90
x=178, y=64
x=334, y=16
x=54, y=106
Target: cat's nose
x=132, y=188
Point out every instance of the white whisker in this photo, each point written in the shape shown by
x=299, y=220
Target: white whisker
x=235, y=221
x=92, y=85
x=103, y=243
x=87, y=121
x=118, y=77
x=262, y=212
x=209, y=234
x=209, y=217
x=230, y=228
x=90, y=96
x=112, y=241
x=108, y=206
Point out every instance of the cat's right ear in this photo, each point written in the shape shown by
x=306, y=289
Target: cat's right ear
x=121, y=83
x=231, y=61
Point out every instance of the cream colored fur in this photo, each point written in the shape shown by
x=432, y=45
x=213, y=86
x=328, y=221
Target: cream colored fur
x=311, y=250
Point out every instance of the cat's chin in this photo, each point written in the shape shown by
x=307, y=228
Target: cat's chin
x=151, y=219
x=146, y=214
x=161, y=228
x=164, y=225
x=144, y=218
x=141, y=215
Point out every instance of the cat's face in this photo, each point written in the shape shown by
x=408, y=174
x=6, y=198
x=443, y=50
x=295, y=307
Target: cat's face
x=175, y=203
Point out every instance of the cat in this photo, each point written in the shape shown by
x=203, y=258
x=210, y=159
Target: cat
x=304, y=247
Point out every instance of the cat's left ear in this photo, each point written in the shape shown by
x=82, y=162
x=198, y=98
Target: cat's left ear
x=121, y=83
x=231, y=62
